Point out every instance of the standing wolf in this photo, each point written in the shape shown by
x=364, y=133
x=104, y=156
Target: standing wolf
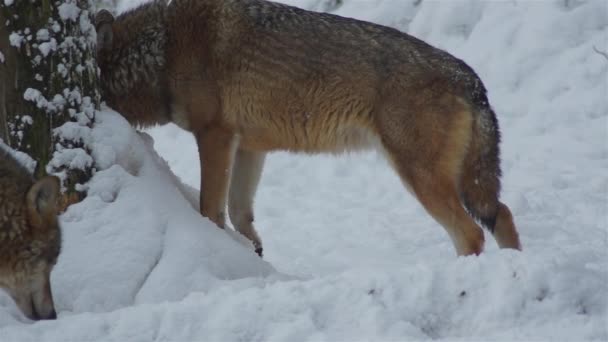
x=251, y=76
x=30, y=238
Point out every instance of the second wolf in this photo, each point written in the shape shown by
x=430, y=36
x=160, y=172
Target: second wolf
x=251, y=76
x=30, y=237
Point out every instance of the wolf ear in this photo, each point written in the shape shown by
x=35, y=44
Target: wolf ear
x=42, y=199
x=103, y=25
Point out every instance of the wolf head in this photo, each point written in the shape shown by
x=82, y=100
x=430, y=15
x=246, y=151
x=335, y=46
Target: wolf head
x=131, y=48
x=131, y=54
x=30, y=238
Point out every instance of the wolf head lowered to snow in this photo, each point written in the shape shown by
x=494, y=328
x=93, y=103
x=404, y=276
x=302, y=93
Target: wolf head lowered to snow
x=30, y=237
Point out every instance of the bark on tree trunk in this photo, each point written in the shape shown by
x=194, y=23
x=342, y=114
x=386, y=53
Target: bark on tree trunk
x=8, y=67
x=48, y=86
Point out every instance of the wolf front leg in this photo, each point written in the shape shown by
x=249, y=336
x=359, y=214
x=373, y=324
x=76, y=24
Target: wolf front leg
x=246, y=174
x=216, y=147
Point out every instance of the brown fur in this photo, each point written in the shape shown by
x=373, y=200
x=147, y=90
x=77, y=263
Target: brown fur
x=30, y=237
x=251, y=76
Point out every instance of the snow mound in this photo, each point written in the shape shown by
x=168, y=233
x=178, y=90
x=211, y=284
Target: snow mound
x=139, y=231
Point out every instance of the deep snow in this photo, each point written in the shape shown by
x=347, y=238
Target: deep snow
x=349, y=254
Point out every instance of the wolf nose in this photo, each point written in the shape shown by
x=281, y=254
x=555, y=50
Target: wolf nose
x=52, y=315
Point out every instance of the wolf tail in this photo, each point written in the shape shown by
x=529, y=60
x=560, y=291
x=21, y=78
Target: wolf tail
x=480, y=180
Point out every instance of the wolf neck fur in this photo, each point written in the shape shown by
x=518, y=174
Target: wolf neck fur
x=139, y=50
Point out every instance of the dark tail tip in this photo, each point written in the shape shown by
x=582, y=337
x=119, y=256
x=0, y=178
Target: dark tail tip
x=489, y=222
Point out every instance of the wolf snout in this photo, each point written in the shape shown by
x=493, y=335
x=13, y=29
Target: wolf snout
x=43, y=314
x=43, y=305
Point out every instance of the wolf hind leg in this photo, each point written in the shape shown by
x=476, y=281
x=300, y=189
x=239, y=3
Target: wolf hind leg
x=427, y=151
x=504, y=231
x=439, y=196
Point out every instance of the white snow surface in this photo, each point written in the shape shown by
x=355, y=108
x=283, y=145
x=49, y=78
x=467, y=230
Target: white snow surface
x=349, y=254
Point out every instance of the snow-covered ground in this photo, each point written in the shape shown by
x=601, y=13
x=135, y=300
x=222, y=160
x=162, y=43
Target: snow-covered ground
x=349, y=254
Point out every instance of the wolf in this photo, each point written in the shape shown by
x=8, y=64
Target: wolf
x=247, y=77
x=30, y=237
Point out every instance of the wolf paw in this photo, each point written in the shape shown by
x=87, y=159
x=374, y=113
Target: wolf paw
x=259, y=251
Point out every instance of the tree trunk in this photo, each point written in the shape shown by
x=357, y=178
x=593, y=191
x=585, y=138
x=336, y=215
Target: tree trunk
x=48, y=86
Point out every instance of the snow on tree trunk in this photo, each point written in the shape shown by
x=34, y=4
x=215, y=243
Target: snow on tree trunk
x=49, y=86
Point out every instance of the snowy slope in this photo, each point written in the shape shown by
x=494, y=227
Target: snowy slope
x=349, y=254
